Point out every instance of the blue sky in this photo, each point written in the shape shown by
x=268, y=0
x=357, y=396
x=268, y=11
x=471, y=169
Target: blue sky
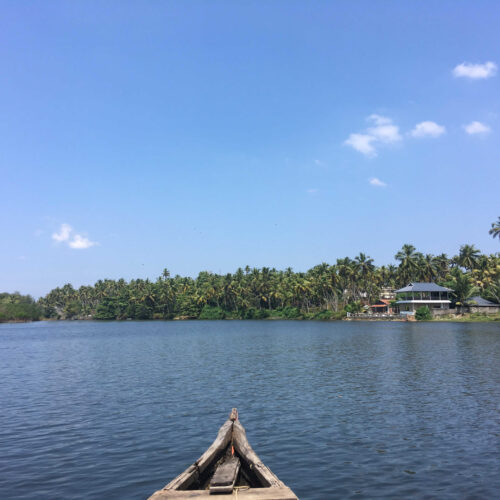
x=195, y=136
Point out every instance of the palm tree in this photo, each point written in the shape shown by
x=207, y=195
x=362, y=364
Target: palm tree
x=364, y=268
x=468, y=256
x=408, y=263
x=495, y=229
x=462, y=287
x=347, y=281
x=442, y=265
x=428, y=267
x=364, y=265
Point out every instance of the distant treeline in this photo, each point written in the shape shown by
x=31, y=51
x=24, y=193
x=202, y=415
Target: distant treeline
x=324, y=292
x=17, y=307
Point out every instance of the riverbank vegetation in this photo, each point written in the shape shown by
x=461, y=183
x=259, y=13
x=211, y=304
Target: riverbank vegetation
x=17, y=307
x=326, y=291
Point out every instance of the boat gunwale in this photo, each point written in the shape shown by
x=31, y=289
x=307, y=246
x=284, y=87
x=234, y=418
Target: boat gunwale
x=194, y=471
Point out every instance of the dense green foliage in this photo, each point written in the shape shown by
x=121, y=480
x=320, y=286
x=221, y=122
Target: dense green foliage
x=423, y=314
x=17, y=307
x=323, y=292
x=210, y=312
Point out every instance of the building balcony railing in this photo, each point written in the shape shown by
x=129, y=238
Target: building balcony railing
x=423, y=296
x=423, y=301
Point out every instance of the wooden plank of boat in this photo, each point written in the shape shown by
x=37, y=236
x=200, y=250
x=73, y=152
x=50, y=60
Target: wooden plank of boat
x=240, y=494
x=225, y=476
x=230, y=467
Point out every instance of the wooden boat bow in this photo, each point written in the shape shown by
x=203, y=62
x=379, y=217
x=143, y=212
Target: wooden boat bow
x=229, y=467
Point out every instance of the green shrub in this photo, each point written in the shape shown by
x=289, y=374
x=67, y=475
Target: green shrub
x=423, y=314
x=353, y=307
x=210, y=312
x=290, y=312
x=261, y=314
x=323, y=315
x=247, y=313
x=252, y=313
x=339, y=315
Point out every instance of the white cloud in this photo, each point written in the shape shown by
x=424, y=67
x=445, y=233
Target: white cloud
x=475, y=71
x=384, y=131
x=73, y=240
x=428, y=129
x=81, y=242
x=379, y=120
x=377, y=182
x=312, y=191
x=319, y=163
x=477, y=128
x=63, y=234
x=362, y=143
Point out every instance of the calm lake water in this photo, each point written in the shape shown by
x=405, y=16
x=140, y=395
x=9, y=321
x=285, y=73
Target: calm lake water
x=336, y=410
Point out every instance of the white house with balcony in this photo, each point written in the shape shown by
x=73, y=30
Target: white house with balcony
x=415, y=295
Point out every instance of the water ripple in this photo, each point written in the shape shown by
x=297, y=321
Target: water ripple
x=337, y=410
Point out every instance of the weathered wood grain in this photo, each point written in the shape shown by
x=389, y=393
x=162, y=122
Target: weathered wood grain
x=225, y=476
x=242, y=446
x=217, y=447
x=283, y=493
x=192, y=473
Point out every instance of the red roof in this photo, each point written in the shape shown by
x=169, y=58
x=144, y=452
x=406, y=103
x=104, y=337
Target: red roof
x=385, y=303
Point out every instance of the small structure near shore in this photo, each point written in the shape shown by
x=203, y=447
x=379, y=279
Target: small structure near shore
x=479, y=305
x=382, y=306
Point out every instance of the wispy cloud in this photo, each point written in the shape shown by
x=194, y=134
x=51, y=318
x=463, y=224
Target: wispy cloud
x=474, y=128
x=475, y=71
x=81, y=242
x=319, y=163
x=72, y=239
x=383, y=131
x=312, y=191
x=379, y=119
x=63, y=234
x=374, y=181
x=427, y=129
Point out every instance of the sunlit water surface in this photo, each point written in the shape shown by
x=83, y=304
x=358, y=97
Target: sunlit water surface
x=336, y=410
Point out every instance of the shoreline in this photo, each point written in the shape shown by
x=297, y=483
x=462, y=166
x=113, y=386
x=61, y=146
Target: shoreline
x=459, y=319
